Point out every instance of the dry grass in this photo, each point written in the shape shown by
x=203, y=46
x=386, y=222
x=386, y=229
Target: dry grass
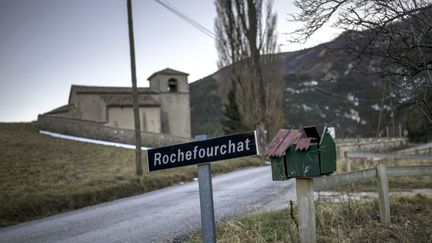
x=349, y=221
x=41, y=176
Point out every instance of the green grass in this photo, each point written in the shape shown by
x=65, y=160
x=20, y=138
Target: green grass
x=41, y=175
x=349, y=221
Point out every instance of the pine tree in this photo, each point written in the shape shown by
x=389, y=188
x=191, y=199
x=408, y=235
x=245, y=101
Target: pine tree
x=231, y=121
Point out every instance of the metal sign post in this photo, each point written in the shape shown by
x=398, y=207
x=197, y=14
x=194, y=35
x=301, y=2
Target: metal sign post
x=208, y=223
x=202, y=152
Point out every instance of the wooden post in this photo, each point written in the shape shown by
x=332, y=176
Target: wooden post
x=395, y=160
x=306, y=210
x=383, y=193
x=138, y=163
x=400, y=130
x=348, y=162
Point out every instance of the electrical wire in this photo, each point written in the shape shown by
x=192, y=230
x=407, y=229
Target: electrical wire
x=186, y=18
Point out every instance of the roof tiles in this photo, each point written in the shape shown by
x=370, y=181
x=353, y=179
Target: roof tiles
x=285, y=138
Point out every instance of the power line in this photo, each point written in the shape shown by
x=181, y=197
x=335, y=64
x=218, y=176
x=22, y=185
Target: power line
x=186, y=18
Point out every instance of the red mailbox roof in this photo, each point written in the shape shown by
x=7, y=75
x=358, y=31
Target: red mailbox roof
x=285, y=138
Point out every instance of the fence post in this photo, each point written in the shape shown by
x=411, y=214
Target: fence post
x=383, y=194
x=395, y=159
x=400, y=130
x=348, y=162
x=306, y=210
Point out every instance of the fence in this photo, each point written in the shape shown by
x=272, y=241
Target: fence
x=395, y=157
x=346, y=145
x=381, y=173
x=422, y=149
x=306, y=186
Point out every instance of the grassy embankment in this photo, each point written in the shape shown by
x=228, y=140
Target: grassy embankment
x=41, y=175
x=349, y=221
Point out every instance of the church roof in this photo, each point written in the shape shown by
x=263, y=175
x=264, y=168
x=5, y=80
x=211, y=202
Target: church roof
x=117, y=96
x=61, y=109
x=82, y=89
x=168, y=71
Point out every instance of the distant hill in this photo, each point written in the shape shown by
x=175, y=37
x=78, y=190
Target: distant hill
x=322, y=87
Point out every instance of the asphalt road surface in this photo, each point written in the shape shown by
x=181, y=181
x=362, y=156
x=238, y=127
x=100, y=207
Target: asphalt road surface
x=165, y=215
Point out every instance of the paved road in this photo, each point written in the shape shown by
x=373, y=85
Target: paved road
x=158, y=216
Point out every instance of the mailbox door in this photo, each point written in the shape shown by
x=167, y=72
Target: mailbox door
x=328, y=154
x=278, y=169
x=303, y=163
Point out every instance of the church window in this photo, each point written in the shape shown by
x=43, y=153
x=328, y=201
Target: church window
x=172, y=85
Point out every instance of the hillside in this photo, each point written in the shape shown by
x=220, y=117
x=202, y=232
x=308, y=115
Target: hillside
x=323, y=86
x=206, y=107
x=42, y=175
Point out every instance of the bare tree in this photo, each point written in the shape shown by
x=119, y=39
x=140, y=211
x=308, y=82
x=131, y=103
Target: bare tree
x=246, y=44
x=394, y=36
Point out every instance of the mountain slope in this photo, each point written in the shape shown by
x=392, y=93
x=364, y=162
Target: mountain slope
x=323, y=86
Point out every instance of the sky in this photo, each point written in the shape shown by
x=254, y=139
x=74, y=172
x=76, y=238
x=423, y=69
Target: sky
x=48, y=45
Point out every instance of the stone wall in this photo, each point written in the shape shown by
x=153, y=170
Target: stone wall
x=369, y=144
x=95, y=130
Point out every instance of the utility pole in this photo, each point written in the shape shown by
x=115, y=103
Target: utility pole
x=134, y=92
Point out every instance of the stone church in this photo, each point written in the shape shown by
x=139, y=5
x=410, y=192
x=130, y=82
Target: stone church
x=163, y=107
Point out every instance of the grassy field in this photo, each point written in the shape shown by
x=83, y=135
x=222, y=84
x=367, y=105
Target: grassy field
x=348, y=221
x=41, y=175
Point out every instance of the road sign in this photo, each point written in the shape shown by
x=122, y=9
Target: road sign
x=221, y=148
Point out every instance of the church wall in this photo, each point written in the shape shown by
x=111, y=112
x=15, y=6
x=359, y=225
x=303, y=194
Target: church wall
x=123, y=117
x=91, y=107
x=175, y=108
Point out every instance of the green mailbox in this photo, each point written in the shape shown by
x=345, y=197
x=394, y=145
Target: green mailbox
x=301, y=153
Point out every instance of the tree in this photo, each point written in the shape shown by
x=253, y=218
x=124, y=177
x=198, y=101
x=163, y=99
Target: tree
x=395, y=36
x=232, y=121
x=246, y=44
